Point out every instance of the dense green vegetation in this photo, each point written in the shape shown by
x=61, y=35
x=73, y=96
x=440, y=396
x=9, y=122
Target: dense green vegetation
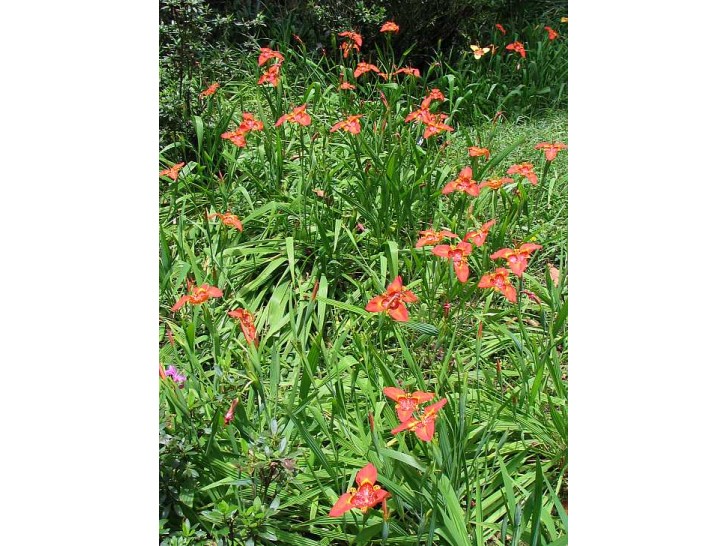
x=279, y=231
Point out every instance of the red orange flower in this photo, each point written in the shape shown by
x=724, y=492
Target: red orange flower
x=499, y=282
x=459, y=255
x=499, y=27
x=389, y=26
x=346, y=86
x=197, y=295
x=229, y=219
x=550, y=149
x=408, y=70
x=464, y=183
x=524, y=169
x=210, y=90
x=247, y=324
x=423, y=113
x=419, y=114
x=552, y=33
x=496, y=183
x=353, y=36
x=354, y=42
x=249, y=123
x=517, y=47
x=435, y=124
x=367, y=495
x=298, y=115
x=173, y=171
x=349, y=125
x=266, y=54
x=363, y=68
x=474, y=151
x=479, y=235
x=424, y=426
x=271, y=76
x=237, y=137
x=392, y=301
x=231, y=412
x=517, y=258
x=407, y=402
x=431, y=237
x=435, y=94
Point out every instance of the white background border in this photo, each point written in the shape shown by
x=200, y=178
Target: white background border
x=79, y=279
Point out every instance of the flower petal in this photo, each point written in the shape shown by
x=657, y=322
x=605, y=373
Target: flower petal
x=180, y=302
x=214, y=292
x=404, y=414
x=408, y=296
x=421, y=397
x=449, y=187
x=375, y=305
x=501, y=253
x=461, y=270
x=398, y=313
x=380, y=495
x=510, y=293
x=529, y=247
x=443, y=251
x=395, y=285
x=407, y=425
x=432, y=409
x=518, y=266
x=473, y=189
x=394, y=393
x=425, y=431
x=367, y=474
x=342, y=505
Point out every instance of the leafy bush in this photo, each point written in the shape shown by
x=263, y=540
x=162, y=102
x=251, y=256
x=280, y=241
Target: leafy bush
x=197, y=46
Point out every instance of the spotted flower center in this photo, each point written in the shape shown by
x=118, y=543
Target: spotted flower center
x=391, y=300
x=406, y=403
x=365, y=497
x=200, y=295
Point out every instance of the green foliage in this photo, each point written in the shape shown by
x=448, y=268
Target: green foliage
x=329, y=220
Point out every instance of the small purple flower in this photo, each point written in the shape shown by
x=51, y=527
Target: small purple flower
x=176, y=376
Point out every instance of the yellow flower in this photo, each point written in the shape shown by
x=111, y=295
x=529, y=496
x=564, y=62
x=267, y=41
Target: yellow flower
x=478, y=51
